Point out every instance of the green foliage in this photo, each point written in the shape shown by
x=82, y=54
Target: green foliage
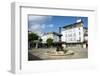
x=49, y=42
x=40, y=40
x=32, y=36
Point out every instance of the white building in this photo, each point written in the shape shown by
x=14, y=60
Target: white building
x=52, y=35
x=74, y=33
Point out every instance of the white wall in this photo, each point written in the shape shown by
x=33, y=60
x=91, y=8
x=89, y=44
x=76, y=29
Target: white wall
x=5, y=42
x=44, y=38
x=73, y=38
x=52, y=36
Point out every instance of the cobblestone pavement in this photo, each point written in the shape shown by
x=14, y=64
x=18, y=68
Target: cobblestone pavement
x=41, y=54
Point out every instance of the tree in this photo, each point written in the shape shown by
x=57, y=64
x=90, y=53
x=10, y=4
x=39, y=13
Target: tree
x=49, y=42
x=40, y=44
x=40, y=40
x=32, y=36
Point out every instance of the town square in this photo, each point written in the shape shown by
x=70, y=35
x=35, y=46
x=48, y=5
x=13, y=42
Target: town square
x=57, y=37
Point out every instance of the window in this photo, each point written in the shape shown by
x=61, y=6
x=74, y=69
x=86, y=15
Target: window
x=74, y=34
x=70, y=39
x=79, y=33
x=74, y=39
x=79, y=38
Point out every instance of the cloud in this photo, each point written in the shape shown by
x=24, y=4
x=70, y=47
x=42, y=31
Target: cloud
x=38, y=23
x=43, y=26
x=36, y=28
x=39, y=19
x=50, y=25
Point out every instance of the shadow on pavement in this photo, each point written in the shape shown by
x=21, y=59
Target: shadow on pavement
x=32, y=57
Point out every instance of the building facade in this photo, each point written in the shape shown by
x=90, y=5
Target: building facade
x=75, y=33
x=52, y=35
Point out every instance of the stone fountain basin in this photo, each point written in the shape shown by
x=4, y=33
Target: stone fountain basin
x=61, y=53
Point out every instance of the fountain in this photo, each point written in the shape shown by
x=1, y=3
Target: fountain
x=61, y=48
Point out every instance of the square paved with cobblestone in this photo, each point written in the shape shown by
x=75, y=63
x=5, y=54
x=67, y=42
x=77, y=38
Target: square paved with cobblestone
x=40, y=54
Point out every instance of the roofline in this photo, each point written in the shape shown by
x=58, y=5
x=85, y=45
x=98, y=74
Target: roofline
x=85, y=27
x=72, y=24
x=54, y=33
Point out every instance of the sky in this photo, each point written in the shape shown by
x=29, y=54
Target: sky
x=43, y=24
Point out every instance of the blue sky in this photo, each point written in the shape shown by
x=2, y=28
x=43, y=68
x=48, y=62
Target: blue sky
x=41, y=24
